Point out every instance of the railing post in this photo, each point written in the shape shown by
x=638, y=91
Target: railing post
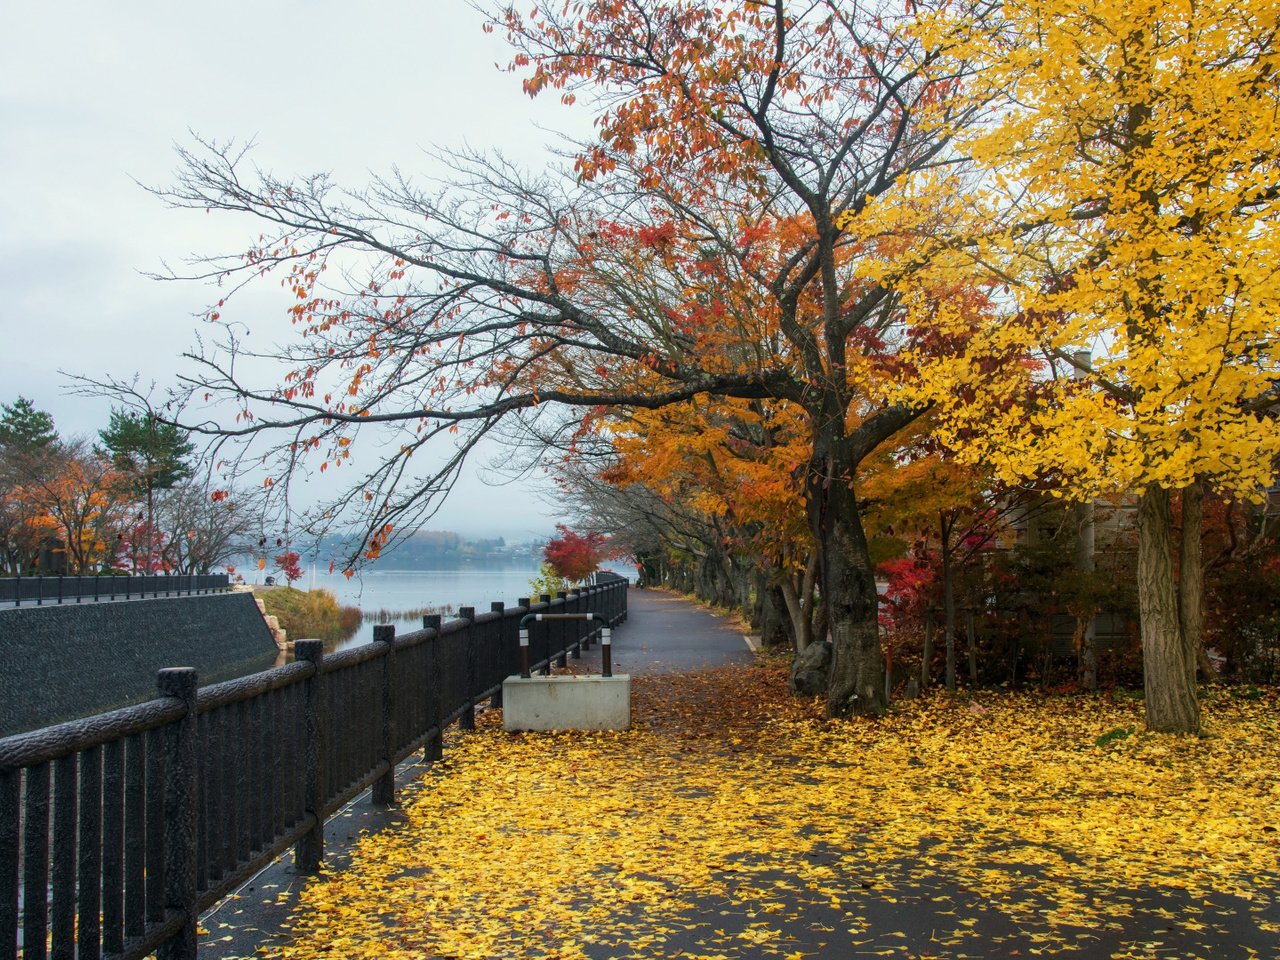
x=546, y=632
x=525, y=656
x=562, y=630
x=468, y=719
x=384, y=788
x=587, y=606
x=500, y=608
x=308, y=852
x=606, y=652
x=434, y=748
x=180, y=814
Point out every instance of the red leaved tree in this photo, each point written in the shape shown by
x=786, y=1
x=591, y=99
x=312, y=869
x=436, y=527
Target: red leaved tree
x=289, y=566
x=574, y=556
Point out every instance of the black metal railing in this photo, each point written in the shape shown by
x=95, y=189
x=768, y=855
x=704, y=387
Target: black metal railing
x=118, y=830
x=59, y=589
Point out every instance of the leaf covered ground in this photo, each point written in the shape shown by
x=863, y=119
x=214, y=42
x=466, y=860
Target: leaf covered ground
x=733, y=822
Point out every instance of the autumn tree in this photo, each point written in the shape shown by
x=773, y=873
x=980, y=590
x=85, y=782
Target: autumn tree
x=574, y=556
x=695, y=249
x=736, y=465
x=1133, y=215
x=81, y=500
x=197, y=532
x=944, y=512
x=289, y=564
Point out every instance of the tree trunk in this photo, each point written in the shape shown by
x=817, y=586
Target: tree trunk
x=151, y=525
x=775, y=622
x=1086, y=622
x=742, y=587
x=948, y=603
x=798, y=616
x=926, y=660
x=1191, y=580
x=799, y=602
x=973, y=647
x=1167, y=676
x=1086, y=653
x=849, y=592
x=819, y=630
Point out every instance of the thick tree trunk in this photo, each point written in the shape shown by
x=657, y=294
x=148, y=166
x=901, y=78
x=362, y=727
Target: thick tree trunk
x=849, y=591
x=1191, y=579
x=1168, y=677
x=849, y=597
x=775, y=622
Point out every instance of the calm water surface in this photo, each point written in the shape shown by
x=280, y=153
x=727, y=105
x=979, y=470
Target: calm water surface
x=398, y=591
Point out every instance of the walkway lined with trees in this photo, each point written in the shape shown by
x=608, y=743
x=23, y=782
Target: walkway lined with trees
x=734, y=823
x=808, y=257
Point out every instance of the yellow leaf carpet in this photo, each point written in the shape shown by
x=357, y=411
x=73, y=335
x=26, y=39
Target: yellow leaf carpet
x=734, y=822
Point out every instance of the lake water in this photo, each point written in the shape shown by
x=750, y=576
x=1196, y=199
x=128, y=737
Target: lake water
x=399, y=591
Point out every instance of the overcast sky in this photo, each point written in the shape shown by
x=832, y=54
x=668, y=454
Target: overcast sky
x=93, y=98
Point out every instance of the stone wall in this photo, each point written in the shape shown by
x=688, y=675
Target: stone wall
x=62, y=662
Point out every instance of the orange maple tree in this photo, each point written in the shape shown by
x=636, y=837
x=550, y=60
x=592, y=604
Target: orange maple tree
x=708, y=244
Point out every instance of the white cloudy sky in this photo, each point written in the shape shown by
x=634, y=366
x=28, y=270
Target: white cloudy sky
x=93, y=97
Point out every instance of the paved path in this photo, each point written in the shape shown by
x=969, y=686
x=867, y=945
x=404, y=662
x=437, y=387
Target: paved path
x=666, y=634
x=663, y=634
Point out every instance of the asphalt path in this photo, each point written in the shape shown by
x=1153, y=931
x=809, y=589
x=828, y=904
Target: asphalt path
x=668, y=634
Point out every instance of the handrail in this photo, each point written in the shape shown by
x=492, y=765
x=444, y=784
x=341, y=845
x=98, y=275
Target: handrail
x=606, y=641
x=60, y=588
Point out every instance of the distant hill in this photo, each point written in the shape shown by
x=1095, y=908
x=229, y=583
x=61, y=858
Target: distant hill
x=426, y=549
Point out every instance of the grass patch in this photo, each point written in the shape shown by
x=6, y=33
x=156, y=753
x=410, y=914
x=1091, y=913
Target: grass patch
x=311, y=614
x=1111, y=736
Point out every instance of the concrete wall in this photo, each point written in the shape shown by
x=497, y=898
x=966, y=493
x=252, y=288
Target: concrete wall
x=62, y=662
x=582, y=702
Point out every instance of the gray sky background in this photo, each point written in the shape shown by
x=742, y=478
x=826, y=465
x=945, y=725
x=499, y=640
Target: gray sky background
x=94, y=96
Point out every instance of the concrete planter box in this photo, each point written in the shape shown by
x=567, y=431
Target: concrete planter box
x=567, y=703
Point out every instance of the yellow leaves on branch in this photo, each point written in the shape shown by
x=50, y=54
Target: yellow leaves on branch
x=1128, y=205
x=1047, y=821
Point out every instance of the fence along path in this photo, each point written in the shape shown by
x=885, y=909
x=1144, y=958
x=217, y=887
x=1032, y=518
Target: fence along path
x=59, y=589
x=118, y=830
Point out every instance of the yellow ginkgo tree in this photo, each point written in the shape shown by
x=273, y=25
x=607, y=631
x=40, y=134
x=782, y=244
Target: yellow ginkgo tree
x=1132, y=209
